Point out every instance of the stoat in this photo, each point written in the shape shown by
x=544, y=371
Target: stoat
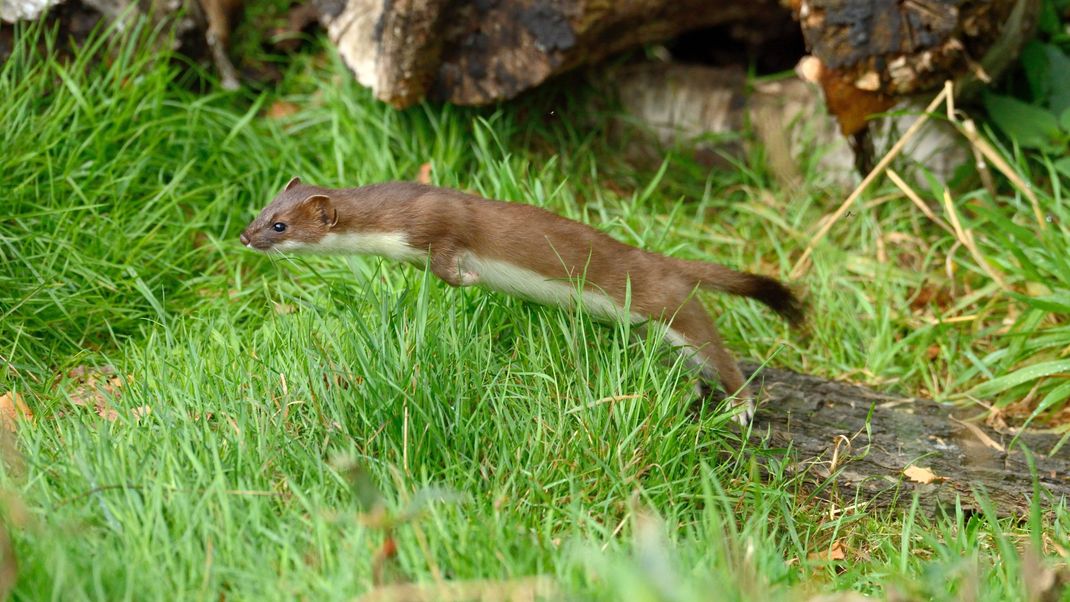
x=520, y=250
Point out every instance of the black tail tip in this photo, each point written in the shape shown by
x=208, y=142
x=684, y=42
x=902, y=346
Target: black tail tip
x=779, y=298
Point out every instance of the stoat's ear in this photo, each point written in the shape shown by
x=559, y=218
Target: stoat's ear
x=320, y=207
x=294, y=182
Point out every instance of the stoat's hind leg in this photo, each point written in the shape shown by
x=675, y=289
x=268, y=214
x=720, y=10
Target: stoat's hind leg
x=693, y=329
x=449, y=264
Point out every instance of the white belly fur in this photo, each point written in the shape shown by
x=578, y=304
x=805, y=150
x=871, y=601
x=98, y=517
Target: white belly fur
x=493, y=274
x=392, y=245
x=505, y=277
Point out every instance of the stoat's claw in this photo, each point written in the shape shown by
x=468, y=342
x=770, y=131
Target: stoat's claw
x=743, y=415
x=746, y=415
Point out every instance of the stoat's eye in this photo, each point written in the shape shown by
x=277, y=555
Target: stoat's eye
x=279, y=227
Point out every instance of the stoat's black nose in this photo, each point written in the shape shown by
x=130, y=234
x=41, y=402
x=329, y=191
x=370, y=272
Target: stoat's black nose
x=243, y=238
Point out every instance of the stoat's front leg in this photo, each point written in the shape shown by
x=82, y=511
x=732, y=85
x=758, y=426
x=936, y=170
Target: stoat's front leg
x=451, y=265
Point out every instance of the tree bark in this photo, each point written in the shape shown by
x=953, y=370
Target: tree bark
x=871, y=52
x=851, y=445
x=482, y=51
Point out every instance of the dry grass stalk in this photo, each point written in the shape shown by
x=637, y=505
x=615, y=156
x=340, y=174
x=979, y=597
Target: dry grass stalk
x=963, y=236
x=981, y=146
x=966, y=238
x=981, y=435
x=803, y=263
x=969, y=130
x=981, y=149
x=914, y=198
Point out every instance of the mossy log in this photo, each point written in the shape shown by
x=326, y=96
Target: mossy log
x=853, y=445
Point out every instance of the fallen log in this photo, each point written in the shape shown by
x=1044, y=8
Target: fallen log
x=870, y=52
x=854, y=445
x=475, y=53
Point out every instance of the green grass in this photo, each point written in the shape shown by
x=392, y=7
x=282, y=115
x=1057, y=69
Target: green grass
x=123, y=197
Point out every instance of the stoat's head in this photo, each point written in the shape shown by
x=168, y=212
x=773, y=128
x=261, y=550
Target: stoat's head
x=296, y=220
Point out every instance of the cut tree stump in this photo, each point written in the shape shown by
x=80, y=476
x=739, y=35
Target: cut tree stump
x=825, y=425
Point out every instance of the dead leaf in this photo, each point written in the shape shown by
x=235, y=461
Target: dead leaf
x=141, y=412
x=280, y=109
x=11, y=409
x=79, y=399
x=82, y=372
x=283, y=308
x=835, y=553
x=424, y=175
x=929, y=296
x=107, y=413
x=921, y=475
x=97, y=387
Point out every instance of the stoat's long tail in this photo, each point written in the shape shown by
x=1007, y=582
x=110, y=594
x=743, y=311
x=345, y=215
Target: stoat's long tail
x=763, y=289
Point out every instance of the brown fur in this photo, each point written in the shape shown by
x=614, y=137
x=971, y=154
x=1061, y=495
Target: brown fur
x=448, y=222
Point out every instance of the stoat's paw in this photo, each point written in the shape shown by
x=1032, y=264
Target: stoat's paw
x=745, y=415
